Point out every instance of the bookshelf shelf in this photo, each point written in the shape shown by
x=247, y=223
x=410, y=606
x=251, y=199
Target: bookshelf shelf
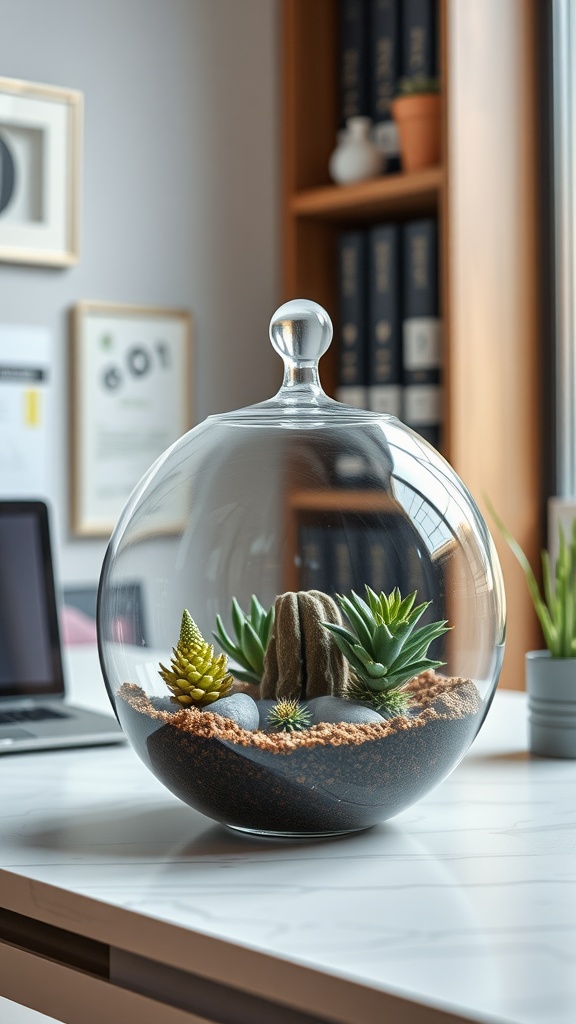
x=484, y=194
x=341, y=501
x=394, y=195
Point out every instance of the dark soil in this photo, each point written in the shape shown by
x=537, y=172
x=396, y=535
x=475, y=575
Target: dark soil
x=330, y=778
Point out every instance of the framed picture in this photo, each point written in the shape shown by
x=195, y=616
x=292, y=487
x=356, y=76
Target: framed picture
x=131, y=397
x=40, y=142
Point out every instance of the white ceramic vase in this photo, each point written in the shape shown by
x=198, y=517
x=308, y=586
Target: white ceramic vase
x=551, y=686
x=356, y=157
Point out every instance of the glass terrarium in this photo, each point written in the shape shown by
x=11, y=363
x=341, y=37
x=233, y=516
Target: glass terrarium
x=301, y=613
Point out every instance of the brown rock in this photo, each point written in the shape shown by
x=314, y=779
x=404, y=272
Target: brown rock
x=302, y=661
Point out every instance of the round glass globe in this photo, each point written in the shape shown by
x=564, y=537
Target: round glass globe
x=301, y=612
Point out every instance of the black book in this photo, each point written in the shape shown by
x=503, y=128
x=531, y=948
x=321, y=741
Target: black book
x=384, y=75
x=313, y=558
x=380, y=570
x=354, y=51
x=421, y=330
x=384, y=320
x=352, y=368
x=419, y=39
x=346, y=563
x=384, y=556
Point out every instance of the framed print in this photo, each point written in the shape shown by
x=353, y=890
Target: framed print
x=131, y=388
x=40, y=141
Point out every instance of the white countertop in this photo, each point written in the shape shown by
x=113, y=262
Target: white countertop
x=464, y=902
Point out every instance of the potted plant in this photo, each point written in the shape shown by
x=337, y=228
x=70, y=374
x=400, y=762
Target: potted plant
x=551, y=673
x=416, y=111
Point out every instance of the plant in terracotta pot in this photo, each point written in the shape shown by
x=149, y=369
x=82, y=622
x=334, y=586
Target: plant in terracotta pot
x=416, y=111
x=551, y=673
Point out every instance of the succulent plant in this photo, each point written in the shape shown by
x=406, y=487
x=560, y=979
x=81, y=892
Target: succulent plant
x=418, y=85
x=385, y=651
x=388, y=703
x=252, y=636
x=289, y=716
x=197, y=677
x=555, y=605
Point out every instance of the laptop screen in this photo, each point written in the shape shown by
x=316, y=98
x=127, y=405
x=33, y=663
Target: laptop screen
x=30, y=657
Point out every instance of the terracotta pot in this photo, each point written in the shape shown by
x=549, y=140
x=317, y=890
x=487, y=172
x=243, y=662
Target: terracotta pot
x=418, y=121
x=551, y=686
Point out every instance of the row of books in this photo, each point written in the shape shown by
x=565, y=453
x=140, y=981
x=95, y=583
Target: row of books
x=337, y=559
x=382, y=41
x=390, y=350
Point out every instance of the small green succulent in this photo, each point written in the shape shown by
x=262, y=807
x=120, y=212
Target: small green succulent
x=418, y=85
x=385, y=650
x=289, y=716
x=252, y=635
x=196, y=677
x=555, y=604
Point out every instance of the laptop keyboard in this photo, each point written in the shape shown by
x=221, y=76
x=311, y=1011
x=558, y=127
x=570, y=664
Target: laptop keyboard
x=30, y=715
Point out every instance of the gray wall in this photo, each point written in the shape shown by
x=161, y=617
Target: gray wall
x=179, y=189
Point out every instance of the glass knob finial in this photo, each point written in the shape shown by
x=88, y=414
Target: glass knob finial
x=300, y=332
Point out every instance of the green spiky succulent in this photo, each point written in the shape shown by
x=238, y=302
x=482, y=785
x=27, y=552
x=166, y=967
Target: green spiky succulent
x=385, y=651
x=197, y=677
x=289, y=716
x=252, y=635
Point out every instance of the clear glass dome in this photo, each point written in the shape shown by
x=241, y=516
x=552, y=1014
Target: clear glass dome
x=301, y=613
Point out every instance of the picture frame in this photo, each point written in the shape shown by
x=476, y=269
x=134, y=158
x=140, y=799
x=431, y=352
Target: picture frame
x=40, y=169
x=131, y=384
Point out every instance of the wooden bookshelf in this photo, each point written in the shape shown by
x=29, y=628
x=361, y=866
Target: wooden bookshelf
x=342, y=501
x=395, y=195
x=485, y=196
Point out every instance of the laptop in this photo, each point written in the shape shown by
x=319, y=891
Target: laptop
x=34, y=713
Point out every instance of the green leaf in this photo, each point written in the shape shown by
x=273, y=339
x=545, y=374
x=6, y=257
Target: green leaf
x=226, y=644
x=338, y=630
x=266, y=628
x=549, y=594
x=221, y=632
x=237, y=619
x=256, y=613
x=387, y=644
x=418, y=646
x=348, y=652
x=428, y=633
x=399, y=678
x=374, y=670
x=363, y=633
x=252, y=648
x=407, y=605
x=246, y=676
x=362, y=608
x=418, y=612
x=373, y=600
x=394, y=602
x=545, y=615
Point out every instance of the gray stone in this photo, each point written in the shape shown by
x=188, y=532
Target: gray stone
x=264, y=708
x=239, y=707
x=337, y=709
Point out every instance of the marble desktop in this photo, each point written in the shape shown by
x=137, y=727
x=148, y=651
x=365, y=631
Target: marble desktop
x=465, y=902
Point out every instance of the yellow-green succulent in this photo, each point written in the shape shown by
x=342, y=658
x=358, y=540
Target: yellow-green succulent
x=196, y=677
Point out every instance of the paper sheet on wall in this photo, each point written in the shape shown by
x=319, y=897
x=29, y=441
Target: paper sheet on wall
x=25, y=391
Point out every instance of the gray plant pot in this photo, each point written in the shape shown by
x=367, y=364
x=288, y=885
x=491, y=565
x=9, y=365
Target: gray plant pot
x=551, y=686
